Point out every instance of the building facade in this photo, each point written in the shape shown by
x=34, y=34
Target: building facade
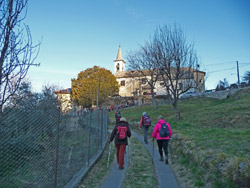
x=132, y=83
x=64, y=96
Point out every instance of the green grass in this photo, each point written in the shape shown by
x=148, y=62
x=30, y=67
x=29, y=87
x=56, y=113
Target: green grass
x=140, y=172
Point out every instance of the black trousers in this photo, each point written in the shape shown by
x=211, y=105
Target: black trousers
x=145, y=130
x=163, y=144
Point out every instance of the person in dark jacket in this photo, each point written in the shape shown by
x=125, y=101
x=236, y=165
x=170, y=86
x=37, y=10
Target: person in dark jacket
x=145, y=127
x=162, y=142
x=117, y=117
x=120, y=143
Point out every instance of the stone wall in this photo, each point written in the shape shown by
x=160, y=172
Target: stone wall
x=226, y=93
x=221, y=94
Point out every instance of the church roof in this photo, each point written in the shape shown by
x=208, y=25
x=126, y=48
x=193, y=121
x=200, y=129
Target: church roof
x=64, y=91
x=126, y=74
x=129, y=74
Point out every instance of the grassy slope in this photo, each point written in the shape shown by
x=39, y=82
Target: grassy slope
x=213, y=135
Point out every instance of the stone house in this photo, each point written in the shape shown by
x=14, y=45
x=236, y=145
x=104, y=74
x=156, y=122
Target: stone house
x=64, y=96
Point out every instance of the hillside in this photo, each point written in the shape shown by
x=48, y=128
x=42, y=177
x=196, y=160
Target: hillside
x=211, y=140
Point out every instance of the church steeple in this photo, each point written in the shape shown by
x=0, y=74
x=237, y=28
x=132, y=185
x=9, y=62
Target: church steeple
x=119, y=62
x=119, y=54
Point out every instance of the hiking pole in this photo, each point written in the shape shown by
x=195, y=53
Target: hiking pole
x=153, y=148
x=129, y=157
x=109, y=154
x=170, y=149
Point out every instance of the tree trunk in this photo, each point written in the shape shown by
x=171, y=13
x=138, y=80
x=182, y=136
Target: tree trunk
x=176, y=110
x=153, y=98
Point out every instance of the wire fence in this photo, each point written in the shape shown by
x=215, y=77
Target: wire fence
x=43, y=148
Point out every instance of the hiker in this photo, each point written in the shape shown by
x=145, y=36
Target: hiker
x=145, y=123
x=117, y=116
x=162, y=136
x=120, y=132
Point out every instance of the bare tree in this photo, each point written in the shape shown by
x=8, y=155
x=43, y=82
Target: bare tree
x=17, y=52
x=23, y=98
x=176, y=61
x=144, y=62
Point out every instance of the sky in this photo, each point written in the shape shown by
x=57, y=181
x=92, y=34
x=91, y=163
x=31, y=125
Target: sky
x=78, y=34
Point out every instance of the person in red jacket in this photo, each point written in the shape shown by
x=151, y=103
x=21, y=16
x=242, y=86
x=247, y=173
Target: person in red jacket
x=121, y=132
x=162, y=142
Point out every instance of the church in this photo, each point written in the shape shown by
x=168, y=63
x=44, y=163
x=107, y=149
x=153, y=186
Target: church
x=132, y=84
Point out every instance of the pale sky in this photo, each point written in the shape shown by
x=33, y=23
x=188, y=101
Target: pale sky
x=79, y=34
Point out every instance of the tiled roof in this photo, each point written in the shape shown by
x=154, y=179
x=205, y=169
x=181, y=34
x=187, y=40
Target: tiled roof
x=64, y=91
x=128, y=74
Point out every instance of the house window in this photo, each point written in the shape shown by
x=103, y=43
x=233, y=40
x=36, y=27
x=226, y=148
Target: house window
x=180, y=85
x=123, y=83
x=144, y=81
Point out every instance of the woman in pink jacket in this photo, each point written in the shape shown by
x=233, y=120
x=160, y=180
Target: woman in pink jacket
x=162, y=142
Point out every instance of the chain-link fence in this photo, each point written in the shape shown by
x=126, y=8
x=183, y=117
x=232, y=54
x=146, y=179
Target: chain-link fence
x=42, y=148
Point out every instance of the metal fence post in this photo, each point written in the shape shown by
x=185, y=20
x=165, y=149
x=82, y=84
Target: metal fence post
x=90, y=121
x=57, y=148
x=101, y=128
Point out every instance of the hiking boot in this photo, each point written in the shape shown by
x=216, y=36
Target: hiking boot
x=161, y=159
x=166, y=161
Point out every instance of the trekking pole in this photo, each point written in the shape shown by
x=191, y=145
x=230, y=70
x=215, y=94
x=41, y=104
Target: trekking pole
x=153, y=148
x=129, y=157
x=109, y=154
x=170, y=148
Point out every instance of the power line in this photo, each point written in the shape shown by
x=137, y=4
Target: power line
x=222, y=70
x=229, y=68
x=222, y=63
x=245, y=65
x=227, y=63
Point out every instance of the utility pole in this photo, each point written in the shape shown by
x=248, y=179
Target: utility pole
x=197, y=79
x=98, y=92
x=140, y=97
x=238, y=72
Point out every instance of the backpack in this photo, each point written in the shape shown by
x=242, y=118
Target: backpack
x=121, y=132
x=146, y=121
x=118, y=115
x=164, y=132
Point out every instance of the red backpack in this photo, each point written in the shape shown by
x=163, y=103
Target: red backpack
x=121, y=132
